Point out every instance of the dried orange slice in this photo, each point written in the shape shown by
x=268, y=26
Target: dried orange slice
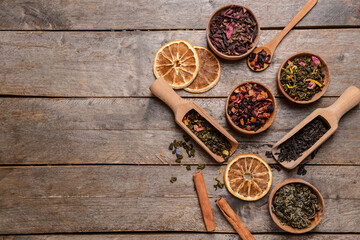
x=248, y=177
x=178, y=63
x=209, y=73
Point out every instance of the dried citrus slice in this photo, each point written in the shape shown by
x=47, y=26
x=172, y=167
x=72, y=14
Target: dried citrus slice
x=248, y=177
x=209, y=73
x=178, y=63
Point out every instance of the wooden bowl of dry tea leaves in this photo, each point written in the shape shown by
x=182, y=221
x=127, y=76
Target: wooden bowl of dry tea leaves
x=296, y=206
x=250, y=108
x=233, y=32
x=303, y=78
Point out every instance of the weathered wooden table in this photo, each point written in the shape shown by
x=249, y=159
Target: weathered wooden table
x=81, y=134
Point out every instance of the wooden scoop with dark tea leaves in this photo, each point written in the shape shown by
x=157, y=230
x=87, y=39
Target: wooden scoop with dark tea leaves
x=196, y=122
x=314, y=130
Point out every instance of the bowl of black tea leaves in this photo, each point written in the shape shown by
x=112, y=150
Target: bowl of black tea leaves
x=303, y=78
x=233, y=32
x=296, y=206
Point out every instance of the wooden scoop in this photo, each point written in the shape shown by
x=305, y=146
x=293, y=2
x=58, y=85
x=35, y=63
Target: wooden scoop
x=161, y=89
x=271, y=46
x=331, y=115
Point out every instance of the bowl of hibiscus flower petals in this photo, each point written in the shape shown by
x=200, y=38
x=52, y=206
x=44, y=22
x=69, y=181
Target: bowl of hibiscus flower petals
x=250, y=108
x=233, y=32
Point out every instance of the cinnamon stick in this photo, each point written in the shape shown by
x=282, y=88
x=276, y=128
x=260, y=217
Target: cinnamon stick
x=204, y=201
x=234, y=220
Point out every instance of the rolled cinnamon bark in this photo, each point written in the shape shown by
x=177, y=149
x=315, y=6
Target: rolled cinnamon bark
x=234, y=220
x=204, y=201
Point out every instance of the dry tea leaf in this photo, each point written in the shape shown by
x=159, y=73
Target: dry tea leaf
x=173, y=179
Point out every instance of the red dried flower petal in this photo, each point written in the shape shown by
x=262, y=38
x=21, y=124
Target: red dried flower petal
x=229, y=30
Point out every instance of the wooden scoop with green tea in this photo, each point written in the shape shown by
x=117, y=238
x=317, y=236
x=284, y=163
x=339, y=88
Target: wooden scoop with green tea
x=330, y=116
x=181, y=108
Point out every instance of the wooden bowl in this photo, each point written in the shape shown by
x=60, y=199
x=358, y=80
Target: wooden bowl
x=225, y=56
x=318, y=216
x=324, y=69
x=267, y=123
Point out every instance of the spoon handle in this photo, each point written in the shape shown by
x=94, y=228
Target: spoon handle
x=349, y=99
x=161, y=89
x=306, y=8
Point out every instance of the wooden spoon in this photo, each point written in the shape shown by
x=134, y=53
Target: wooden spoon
x=271, y=46
x=161, y=89
x=331, y=115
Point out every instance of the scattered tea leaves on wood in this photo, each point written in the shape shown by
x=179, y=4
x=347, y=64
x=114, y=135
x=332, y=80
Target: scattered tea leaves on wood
x=218, y=184
x=200, y=166
x=301, y=170
x=176, y=145
x=186, y=138
x=276, y=167
x=268, y=154
x=173, y=179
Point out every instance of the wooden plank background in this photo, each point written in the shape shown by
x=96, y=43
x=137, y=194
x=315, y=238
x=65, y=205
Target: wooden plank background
x=147, y=14
x=121, y=131
x=119, y=64
x=81, y=134
x=130, y=198
x=182, y=236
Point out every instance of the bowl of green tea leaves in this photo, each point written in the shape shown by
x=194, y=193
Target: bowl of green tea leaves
x=303, y=78
x=296, y=206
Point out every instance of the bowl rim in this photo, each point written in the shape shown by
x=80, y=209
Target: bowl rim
x=267, y=123
x=290, y=229
x=324, y=68
x=229, y=57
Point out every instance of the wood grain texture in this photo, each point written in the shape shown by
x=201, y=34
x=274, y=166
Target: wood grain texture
x=182, y=236
x=119, y=64
x=139, y=14
x=136, y=130
x=132, y=198
x=26, y=114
